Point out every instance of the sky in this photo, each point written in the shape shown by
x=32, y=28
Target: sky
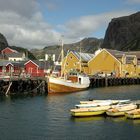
x=39, y=23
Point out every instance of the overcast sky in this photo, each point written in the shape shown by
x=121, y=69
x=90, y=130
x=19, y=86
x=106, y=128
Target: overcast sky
x=38, y=23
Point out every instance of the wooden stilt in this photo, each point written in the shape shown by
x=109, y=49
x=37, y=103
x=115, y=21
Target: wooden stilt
x=8, y=88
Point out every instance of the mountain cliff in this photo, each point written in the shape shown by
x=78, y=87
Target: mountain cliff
x=3, y=41
x=123, y=33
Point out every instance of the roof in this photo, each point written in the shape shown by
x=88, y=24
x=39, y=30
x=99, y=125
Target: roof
x=41, y=64
x=5, y=63
x=9, y=49
x=85, y=57
x=15, y=55
x=129, y=55
x=137, y=53
x=116, y=53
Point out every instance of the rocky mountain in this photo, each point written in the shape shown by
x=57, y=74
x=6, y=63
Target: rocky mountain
x=3, y=41
x=123, y=33
x=88, y=45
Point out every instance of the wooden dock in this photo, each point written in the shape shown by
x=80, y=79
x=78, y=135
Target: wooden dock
x=38, y=86
x=34, y=86
x=106, y=82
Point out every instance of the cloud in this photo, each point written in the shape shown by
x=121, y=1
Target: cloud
x=24, y=25
x=23, y=7
x=87, y=25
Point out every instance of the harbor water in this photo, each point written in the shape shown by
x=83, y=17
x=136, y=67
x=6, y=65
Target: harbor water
x=48, y=117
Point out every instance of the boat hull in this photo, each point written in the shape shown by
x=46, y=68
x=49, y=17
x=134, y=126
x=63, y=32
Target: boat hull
x=115, y=114
x=120, y=110
x=58, y=88
x=133, y=116
x=64, y=86
x=87, y=113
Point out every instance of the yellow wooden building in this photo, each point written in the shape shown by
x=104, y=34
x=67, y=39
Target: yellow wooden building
x=117, y=63
x=131, y=64
x=105, y=62
x=76, y=61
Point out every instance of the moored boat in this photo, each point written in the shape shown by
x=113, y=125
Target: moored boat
x=94, y=104
x=83, y=112
x=87, y=113
x=68, y=82
x=63, y=85
x=133, y=114
x=119, y=110
x=101, y=101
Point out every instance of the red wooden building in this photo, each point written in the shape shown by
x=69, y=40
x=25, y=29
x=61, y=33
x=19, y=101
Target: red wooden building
x=35, y=68
x=8, y=51
x=10, y=68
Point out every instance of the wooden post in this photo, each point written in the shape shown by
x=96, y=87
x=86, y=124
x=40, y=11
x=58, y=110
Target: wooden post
x=8, y=88
x=106, y=80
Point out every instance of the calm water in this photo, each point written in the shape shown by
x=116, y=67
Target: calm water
x=48, y=118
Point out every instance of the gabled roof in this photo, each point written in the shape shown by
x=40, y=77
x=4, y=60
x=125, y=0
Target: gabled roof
x=5, y=63
x=31, y=62
x=40, y=64
x=116, y=53
x=9, y=49
x=85, y=57
x=15, y=55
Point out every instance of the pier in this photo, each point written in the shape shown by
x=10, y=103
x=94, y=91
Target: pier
x=108, y=81
x=35, y=86
x=38, y=86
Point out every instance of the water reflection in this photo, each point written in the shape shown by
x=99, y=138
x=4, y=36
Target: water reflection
x=86, y=119
x=116, y=119
x=49, y=116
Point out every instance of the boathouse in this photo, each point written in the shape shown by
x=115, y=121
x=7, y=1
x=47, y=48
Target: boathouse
x=10, y=68
x=131, y=64
x=76, y=61
x=8, y=50
x=12, y=55
x=106, y=62
x=35, y=68
x=16, y=57
x=109, y=62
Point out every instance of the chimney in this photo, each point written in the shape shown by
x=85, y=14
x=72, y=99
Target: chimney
x=53, y=57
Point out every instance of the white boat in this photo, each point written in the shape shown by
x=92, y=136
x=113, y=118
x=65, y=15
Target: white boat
x=62, y=85
x=94, y=104
x=100, y=101
x=68, y=82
